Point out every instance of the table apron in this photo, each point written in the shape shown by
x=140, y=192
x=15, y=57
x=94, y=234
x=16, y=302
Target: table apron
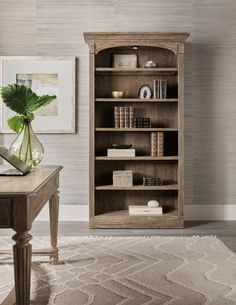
x=5, y=212
x=19, y=211
x=38, y=200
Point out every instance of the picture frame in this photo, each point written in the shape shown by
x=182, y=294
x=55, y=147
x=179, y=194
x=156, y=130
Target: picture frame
x=52, y=75
x=145, y=92
x=125, y=61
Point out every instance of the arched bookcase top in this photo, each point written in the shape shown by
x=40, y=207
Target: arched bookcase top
x=99, y=41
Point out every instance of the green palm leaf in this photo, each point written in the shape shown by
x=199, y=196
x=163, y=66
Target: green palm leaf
x=42, y=101
x=16, y=122
x=23, y=100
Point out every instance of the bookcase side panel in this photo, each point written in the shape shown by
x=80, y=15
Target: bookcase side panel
x=181, y=129
x=91, y=134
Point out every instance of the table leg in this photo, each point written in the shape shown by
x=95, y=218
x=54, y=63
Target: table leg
x=53, y=211
x=22, y=251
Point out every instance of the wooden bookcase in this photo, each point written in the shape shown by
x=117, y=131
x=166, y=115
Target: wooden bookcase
x=108, y=204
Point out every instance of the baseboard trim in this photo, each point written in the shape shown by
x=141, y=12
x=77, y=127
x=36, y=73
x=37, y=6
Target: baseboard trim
x=192, y=212
x=67, y=213
x=210, y=212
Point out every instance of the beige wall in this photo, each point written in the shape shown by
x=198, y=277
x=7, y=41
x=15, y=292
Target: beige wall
x=55, y=27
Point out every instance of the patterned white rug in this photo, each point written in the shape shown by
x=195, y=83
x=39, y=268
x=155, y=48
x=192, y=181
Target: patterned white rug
x=130, y=271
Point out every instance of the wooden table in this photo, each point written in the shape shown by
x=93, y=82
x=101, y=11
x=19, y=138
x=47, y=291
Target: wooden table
x=21, y=200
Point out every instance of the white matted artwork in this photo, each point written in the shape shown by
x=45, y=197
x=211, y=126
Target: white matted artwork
x=45, y=76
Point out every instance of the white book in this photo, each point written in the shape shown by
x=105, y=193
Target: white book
x=144, y=210
x=154, y=89
x=120, y=152
x=161, y=87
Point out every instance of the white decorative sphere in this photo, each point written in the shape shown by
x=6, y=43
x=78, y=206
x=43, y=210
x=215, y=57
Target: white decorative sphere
x=153, y=204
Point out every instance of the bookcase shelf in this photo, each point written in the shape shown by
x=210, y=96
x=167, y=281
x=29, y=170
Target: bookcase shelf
x=138, y=188
x=137, y=71
x=135, y=129
x=121, y=219
x=137, y=158
x=169, y=214
x=108, y=205
x=135, y=100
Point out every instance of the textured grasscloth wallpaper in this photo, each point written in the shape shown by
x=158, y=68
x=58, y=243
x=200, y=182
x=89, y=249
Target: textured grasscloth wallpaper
x=55, y=27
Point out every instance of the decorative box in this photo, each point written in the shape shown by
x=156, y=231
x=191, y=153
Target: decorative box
x=123, y=178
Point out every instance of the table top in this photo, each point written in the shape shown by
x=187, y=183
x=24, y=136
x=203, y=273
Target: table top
x=30, y=183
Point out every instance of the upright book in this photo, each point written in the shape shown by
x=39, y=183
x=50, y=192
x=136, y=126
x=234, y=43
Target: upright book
x=157, y=144
x=123, y=117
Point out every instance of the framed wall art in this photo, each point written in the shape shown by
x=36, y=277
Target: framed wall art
x=125, y=61
x=44, y=75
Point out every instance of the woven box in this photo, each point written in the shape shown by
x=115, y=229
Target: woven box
x=123, y=178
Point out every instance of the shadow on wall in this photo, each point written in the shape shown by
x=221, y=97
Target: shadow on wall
x=212, y=109
x=188, y=121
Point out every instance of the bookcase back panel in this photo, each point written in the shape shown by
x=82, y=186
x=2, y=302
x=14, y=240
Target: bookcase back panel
x=164, y=57
x=141, y=141
x=130, y=84
x=167, y=171
x=107, y=201
x=161, y=115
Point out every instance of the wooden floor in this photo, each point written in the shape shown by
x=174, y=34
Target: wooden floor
x=224, y=230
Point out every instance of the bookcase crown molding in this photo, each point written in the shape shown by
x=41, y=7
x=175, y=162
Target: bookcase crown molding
x=138, y=36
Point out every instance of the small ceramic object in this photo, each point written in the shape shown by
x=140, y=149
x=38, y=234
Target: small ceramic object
x=153, y=204
x=117, y=94
x=145, y=92
x=151, y=64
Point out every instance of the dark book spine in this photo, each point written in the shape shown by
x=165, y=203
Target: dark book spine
x=160, y=144
x=122, y=117
x=117, y=116
x=163, y=89
x=127, y=117
x=131, y=117
x=143, y=123
x=153, y=144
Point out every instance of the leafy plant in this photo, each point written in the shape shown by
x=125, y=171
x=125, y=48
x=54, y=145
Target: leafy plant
x=23, y=101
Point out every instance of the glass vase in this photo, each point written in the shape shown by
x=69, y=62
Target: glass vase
x=27, y=146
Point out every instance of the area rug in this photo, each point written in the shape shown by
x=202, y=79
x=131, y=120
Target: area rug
x=130, y=271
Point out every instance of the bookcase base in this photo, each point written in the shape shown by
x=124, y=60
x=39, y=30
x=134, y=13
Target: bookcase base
x=136, y=222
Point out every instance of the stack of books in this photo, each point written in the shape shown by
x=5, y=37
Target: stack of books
x=143, y=123
x=116, y=152
x=144, y=210
x=151, y=181
x=159, y=89
x=157, y=144
x=124, y=117
x=123, y=178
